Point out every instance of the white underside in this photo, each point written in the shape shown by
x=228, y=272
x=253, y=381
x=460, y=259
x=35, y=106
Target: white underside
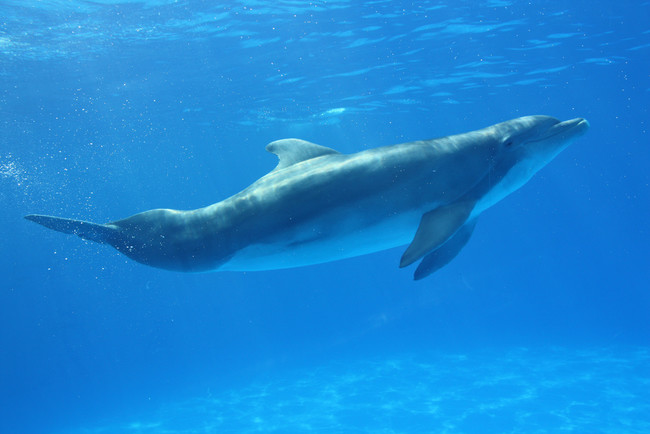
x=305, y=248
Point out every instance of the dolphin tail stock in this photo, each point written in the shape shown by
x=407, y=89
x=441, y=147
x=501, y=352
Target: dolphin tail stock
x=98, y=233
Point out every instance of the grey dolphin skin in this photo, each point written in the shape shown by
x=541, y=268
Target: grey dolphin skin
x=319, y=205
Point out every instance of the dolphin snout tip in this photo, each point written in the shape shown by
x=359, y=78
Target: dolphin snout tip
x=583, y=125
x=577, y=126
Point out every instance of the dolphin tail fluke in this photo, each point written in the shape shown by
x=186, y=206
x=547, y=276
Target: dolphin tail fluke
x=86, y=230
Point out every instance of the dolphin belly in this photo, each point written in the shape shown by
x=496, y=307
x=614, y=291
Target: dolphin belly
x=319, y=241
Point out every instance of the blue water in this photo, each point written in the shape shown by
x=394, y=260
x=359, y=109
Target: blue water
x=112, y=107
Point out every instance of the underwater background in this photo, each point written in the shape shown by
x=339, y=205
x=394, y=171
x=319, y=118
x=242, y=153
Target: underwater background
x=113, y=107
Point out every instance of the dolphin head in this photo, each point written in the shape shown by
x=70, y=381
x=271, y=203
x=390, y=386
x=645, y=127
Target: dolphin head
x=526, y=145
x=536, y=140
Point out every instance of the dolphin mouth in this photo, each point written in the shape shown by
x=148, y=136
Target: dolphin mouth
x=566, y=129
x=580, y=123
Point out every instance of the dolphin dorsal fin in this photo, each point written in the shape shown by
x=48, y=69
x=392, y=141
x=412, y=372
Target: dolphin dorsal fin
x=292, y=151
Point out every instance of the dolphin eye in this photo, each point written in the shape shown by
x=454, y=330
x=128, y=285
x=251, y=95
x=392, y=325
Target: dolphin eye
x=508, y=143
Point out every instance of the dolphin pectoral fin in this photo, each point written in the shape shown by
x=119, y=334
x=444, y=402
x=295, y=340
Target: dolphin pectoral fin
x=86, y=230
x=445, y=253
x=292, y=151
x=435, y=228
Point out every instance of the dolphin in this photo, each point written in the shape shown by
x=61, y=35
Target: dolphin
x=318, y=205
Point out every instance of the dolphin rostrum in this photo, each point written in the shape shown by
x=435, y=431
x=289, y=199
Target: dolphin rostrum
x=319, y=205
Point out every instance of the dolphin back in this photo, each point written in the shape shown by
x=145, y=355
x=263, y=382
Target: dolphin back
x=86, y=230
